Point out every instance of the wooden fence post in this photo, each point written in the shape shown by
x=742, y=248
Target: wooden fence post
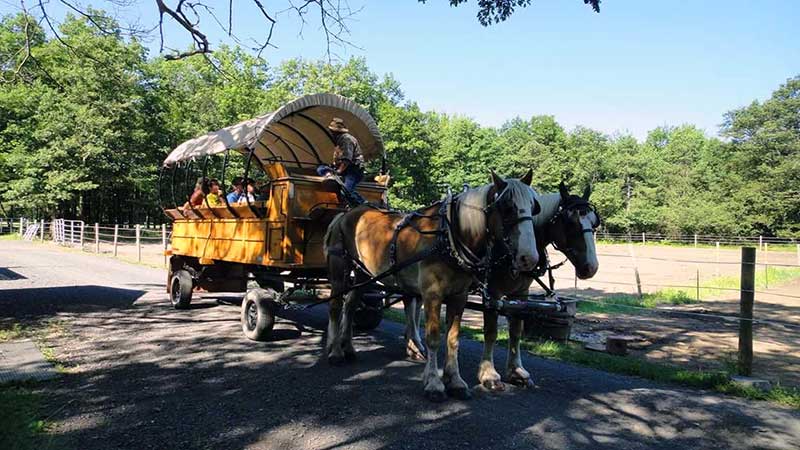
x=116, y=237
x=138, y=243
x=760, y=242
x=96, y=237
x=766, y=265
x=82, y=227
x=746, y=296
x=635, y=270
x=697, y=282
x=41, y=231
x=21, y=227
x=695, y=240
x=164, y=241
x=643, y=238
x=798, y=254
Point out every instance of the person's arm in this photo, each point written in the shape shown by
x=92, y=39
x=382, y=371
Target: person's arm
x=346, y=157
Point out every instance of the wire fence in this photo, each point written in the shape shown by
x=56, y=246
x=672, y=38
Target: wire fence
x=696, y=239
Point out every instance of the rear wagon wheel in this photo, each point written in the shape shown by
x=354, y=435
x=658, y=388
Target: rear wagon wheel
x=181, y=289
x=258, y=314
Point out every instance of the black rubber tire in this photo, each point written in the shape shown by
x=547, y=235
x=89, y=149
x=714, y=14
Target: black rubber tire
x=258, y=314
x=181, y=286
x=367, y=318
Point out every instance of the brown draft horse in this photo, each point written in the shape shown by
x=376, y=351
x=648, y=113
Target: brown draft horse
x=567, y=222
x=447, y=243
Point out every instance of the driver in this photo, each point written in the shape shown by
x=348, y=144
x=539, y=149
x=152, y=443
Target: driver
x=348, y=161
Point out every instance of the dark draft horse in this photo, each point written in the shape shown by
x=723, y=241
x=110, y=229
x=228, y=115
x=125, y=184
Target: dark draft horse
x=567, y=222
x=446, y=244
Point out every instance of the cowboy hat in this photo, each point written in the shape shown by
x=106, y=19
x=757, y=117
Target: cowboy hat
x=337, y=125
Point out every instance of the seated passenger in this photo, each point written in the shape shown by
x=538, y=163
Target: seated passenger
x=233, y=196
x=199, y=195
x=348, y=161
x=251, y=189
x=213, y=193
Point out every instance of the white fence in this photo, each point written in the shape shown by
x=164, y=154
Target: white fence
x=136, y=242
x=697, y=239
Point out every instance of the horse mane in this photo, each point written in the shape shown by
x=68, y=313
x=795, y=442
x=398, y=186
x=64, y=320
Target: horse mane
x=549, y=204
x=471, y=216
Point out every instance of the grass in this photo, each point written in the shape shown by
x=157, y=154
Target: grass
x=22, y=427
x=766, y=277
x=15, y=331
x=622, y=303
x=574, y=353
x=9, y=237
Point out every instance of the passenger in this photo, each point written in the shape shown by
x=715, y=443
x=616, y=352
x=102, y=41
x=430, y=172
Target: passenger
x=251, y=189
x=348, y=161
x=199, y=194
x=236, y=193
x=214, y=193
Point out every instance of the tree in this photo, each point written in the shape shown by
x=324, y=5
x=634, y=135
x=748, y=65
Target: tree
x=764, y=153
x=496, y=11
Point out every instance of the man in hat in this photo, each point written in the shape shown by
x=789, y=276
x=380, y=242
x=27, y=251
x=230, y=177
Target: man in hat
x=348, y=161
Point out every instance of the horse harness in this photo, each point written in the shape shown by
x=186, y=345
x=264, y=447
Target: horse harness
x=448, y=244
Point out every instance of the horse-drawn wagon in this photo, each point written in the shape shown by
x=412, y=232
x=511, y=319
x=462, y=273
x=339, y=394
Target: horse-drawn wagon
x=276, y=240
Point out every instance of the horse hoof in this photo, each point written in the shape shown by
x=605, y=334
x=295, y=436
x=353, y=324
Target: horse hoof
x=436, y=396
x=460, y=393
x=415, y=355
x=494, y=385
x=336, y=360
x=525, y=383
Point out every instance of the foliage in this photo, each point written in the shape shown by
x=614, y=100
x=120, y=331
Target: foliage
x=85, y=124
x=496, y=11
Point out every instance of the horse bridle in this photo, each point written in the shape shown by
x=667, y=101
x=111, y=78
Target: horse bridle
x=565, y=209
x=463, y=255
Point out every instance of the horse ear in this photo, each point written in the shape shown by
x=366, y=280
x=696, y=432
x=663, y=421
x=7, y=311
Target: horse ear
x=562, y=189
x=498, y=182
x=528, y=178
x=587, y=192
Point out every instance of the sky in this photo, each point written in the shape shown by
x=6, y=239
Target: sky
x=635, y=66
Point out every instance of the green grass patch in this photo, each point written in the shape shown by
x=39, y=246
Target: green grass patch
x=766, y=277
x=11, y=332
x=9, y=237
x=622, y=303
x=22, y=427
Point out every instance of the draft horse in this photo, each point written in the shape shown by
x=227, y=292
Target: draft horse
x=567, y=222
x=435, y=253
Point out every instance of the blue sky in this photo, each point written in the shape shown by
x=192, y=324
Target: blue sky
x=635, y=66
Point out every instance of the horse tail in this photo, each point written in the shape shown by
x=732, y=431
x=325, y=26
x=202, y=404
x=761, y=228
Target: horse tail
x=331, y=236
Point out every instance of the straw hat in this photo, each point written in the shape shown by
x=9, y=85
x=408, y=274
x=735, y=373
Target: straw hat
x=337, y=125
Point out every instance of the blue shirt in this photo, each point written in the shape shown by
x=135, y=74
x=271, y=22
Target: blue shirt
x=233, y=197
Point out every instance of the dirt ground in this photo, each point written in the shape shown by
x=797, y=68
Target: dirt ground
x=707, y=339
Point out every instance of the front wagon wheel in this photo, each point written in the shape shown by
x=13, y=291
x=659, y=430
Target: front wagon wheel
x=180, y=292
x=258, y=314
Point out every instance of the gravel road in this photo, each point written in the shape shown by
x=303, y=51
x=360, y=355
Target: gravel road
x=141, y=375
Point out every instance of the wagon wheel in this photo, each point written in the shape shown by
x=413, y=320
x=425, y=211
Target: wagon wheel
x=180, y=292
x=258, y=314
x=367, y=317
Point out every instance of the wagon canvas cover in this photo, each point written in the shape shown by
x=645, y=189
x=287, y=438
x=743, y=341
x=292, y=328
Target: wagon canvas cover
x=297, y=133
